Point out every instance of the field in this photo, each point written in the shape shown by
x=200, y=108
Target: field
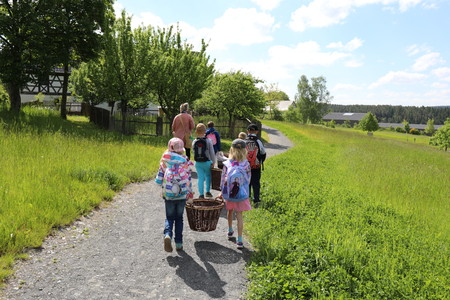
x=52, y=171
x=362, y=218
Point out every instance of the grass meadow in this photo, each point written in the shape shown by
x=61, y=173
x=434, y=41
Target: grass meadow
x=52, y=171
x=351, y=217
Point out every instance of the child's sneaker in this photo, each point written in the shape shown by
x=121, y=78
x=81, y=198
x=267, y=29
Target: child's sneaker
x=179, y=246
x=208, y=195
x=230, y=234
x=168, y=244
x=201, y=197
x=240, y=245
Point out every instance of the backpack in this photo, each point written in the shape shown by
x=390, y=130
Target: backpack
x=212, y=137
x=254, y=156
x=235, y=184
x=175, y=182
x=200, y=148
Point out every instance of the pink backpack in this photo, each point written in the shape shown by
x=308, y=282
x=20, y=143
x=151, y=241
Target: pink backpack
x=212, y=137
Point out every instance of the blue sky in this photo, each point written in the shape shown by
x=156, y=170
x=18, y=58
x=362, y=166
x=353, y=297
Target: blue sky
x=370, y=51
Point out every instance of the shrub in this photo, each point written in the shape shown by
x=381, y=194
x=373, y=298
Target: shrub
x=331, y=124
x=414, y=131
x=400, y=129
x=369, y=123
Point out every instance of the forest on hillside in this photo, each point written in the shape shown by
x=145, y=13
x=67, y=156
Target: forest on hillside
x=396, y=114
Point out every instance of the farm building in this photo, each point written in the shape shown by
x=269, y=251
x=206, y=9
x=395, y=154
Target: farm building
x=353, y=118
x=340, y=118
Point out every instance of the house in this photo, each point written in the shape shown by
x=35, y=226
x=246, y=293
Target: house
x=340, y=117
x=282, y=105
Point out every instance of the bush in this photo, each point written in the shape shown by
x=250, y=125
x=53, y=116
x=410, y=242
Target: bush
x=400, y=129
x=4, y=97
x=414, y=131
x=331, y=124
x=369, y=123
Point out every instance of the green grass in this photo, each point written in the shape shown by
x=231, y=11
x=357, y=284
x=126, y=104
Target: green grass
x=410, y=138
x=52, y=171
x=348, y=216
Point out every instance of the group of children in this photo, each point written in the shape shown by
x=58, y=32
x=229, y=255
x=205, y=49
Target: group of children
x=241, y=175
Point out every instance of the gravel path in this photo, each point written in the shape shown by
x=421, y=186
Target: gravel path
x=116, y=252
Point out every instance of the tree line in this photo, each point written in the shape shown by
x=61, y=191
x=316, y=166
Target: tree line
x=398, y=114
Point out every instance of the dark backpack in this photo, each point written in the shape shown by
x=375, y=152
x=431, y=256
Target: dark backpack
x=254, y=156
x=200, y=148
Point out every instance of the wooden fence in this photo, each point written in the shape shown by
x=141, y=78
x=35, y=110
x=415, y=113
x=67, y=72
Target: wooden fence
x=149, y=123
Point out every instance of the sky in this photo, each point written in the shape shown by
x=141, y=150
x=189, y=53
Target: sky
x=374, y=52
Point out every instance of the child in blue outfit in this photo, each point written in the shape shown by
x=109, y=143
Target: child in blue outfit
x=174, y=175
x=205, y=159
x=214, y=136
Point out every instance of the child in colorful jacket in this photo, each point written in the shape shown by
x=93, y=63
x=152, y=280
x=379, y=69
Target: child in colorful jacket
x=174, y=175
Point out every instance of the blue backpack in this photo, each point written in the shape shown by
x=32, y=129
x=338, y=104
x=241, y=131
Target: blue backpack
x=235, y=185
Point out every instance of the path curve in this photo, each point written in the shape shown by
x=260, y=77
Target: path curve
x=116, y=252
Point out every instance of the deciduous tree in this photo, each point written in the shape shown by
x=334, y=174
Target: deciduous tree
x=429, y=130
x=235, y=95
x=312, y=99
x=442, y=136
x=369, y=123
x=24, y=45
x=176, y=72
x=77, y=34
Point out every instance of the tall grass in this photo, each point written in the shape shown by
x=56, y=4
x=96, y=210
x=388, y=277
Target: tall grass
x=347, y=216
x=52, y=171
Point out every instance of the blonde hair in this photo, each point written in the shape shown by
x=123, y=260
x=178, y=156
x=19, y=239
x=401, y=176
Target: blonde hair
x=184, y=107
x=238, y=154
x=242, y=135
x=200, y=130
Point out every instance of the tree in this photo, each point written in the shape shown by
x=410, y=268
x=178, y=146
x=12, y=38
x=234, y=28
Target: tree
x=117, y=76
x=442, y=136
x=24, y=45
x=77, y=34
x=312, y=99
x=369, y=123
x=429, y=130
x=292, y=114
x=176, y=73
x=406, y=126
x=234, y=94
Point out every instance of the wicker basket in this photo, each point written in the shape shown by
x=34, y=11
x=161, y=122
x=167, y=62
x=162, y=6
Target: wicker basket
x=204, y=214
x=216, y=175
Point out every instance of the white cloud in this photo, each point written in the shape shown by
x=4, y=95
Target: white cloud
x=304, y=54
x=350, y=46
x=324, y=13
x=267, y=4
x=346, y=87
x=399, y=77
x=118, y=7
x=442, y=73
x=428, y=60
x=416, y=49
x=241, y=26
x=146, y=19
x=440, y=85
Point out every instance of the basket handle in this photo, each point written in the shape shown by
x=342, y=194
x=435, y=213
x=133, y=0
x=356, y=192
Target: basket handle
x=219, y=198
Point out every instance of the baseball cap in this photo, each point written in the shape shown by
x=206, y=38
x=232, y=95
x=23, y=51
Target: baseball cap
x=176, y=145
x=238, y=144
x=252, y=127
